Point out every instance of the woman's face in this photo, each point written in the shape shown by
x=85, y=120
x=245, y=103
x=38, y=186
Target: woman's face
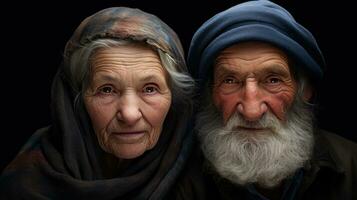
x=128, y=99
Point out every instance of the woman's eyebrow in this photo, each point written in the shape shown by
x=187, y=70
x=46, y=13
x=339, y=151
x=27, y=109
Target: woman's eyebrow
x=152, y=77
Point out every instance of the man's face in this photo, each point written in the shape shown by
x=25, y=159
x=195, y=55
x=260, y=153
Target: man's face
x=257, y=128
x=253, y=78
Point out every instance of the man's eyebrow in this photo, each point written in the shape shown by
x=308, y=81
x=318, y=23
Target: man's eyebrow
x=105, y=77
x=276, y=68
x=224, y=69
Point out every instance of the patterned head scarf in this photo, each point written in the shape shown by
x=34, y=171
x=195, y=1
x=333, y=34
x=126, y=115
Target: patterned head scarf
x=65, y=161
x=127, y=23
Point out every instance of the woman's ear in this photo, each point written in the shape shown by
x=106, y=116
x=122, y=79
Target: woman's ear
x=308, y=92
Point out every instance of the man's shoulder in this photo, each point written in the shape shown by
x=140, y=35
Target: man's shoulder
x=337, y=140
x=339, y=155
x=342, y=147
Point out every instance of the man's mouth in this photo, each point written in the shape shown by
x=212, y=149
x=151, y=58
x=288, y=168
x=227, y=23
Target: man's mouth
x=244, y=128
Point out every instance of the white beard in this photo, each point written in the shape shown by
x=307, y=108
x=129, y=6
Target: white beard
x=264, y=158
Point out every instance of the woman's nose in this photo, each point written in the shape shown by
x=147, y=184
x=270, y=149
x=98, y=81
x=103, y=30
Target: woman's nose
x=129, y=110
x=252, y=106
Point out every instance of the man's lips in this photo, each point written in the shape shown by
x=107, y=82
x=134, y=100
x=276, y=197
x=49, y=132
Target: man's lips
x=128, y=132
x=250, y=128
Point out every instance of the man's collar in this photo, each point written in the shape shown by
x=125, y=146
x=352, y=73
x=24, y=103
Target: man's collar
x=324, y=156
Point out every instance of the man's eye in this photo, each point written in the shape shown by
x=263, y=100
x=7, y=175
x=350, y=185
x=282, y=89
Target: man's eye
x=229, y=81
x=106, y=90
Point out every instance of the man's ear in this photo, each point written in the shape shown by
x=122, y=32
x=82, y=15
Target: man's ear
x=308, y=92
x=215, y=98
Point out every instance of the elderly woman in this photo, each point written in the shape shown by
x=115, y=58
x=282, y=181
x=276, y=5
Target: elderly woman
x=121, y=105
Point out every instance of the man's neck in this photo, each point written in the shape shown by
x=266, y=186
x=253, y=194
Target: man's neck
x=274, y=193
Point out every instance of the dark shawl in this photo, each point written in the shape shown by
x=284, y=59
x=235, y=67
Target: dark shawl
x=64, y=160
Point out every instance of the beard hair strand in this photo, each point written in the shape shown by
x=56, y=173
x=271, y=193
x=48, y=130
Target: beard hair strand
x=264, y=158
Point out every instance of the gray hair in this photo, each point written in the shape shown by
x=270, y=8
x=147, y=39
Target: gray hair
x=78, y=71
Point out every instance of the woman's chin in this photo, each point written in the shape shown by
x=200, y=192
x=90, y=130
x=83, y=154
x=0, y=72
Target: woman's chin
x=129, y=151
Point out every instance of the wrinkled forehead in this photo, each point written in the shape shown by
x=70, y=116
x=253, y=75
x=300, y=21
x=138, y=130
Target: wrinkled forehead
x=251, y=56
x=252, y=50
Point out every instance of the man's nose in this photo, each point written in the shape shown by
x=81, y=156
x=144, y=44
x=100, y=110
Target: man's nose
x=129, y=111
x=252, y=105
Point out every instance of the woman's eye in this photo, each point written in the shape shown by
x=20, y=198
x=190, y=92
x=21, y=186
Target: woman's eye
x=150, y=89
x=274, y=80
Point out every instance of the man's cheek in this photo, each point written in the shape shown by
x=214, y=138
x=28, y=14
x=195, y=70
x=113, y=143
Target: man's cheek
x=227, y=107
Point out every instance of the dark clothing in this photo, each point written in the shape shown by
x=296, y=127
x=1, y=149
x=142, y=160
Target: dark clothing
x=289, y=191
x=330, y=174
x=65, y=160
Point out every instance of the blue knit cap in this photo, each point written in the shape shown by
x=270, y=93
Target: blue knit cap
x=260, y=20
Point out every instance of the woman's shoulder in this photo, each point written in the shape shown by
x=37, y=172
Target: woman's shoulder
x=20, y=174
x=22, y=170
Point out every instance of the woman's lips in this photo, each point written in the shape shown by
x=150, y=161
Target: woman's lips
x=129, y=136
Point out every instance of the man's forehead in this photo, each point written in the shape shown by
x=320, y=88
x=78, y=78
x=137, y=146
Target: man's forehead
x=251, y=56
x=251, y=50
x=262, y=69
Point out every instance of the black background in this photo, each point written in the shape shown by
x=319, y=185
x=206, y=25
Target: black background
x=33, y=36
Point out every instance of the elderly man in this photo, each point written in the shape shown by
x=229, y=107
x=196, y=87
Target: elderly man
x=258, y=70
